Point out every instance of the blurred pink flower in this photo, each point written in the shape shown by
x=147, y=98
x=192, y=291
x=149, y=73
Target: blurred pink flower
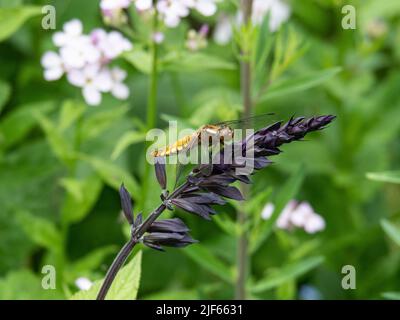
x=296, y=214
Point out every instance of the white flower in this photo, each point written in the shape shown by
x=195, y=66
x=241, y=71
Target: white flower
x=205, y=7
x=158, y=37
x=223, y=31
x=171, y=11
x=267, y=211
x=143, y=5
x=284, y=219
x=112, y=44
x=295, y=214
x=279, y=12
x=79, y=53
x=114, y=4
x=83, y=283
x=314, y=224
x=72, y=30
x=53, y=66
x=85, y=58
x=118, y=88
x=93, y=82
x=112, y=11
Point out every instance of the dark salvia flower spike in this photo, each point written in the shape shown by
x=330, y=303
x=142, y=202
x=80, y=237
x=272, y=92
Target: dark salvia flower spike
x=205, y=186
x=161, y=174
x=126, y=204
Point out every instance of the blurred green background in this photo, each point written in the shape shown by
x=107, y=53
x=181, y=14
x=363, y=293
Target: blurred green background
x=63, y=210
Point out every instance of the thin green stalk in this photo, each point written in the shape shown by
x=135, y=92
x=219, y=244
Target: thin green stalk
x=178, y=92
x=151, y=106
x=242, y=259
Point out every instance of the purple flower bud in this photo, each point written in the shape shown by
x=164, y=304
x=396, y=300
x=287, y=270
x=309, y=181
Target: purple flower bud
x=160, y=172
x=168, y=232
x=126, y=204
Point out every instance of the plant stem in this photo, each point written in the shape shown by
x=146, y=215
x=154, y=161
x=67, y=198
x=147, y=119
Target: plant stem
x=115, y=267
x=135, y=238
x=245, y=82
x=151, y=105
x=152, y=93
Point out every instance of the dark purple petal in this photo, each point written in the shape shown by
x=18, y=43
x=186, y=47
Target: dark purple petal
x=139, y=220
x=261, y=163
x=242, y=178
x=163, y=236
x=160, y=172
x=203, y=211
x=158, y=239
x=221, y=179
x=153, y=246
x=205, y=198
x=168, y=225
x=227, y=192
x=126, y=204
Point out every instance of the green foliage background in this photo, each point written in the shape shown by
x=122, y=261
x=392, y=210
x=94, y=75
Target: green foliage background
x=61, y=162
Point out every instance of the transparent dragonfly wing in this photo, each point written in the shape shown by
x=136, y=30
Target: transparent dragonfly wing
x=249, y=121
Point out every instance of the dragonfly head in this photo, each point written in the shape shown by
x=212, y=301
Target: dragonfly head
x=226, y=133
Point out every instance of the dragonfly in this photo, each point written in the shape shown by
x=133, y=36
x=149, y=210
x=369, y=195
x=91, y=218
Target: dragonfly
x=216, y=133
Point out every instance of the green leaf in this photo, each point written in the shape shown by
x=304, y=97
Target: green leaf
x=112, y=174
x=60, y=146
x=299, y=83
x=5, y=91
x=99, y=121
x=389, y=176
x=125, y=141
x=204, y=258
x=226, y=224
x=372, y=10
x=25, y=285
x=264, y=44
x=195, y=62
x=70, y=112
x=19, y=122
x=11, y=19
x=265, y=39
x=286, y=193
x=40, y=231
x=140, y=59
x=288, y=49
x=80, y=198
x=124, y=287
x=286, y=273
x=391, y=295
x=391, y=230
x=91, y=261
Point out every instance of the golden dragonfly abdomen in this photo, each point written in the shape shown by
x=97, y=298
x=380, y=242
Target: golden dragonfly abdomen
x=177, y=146
x=219, y=132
